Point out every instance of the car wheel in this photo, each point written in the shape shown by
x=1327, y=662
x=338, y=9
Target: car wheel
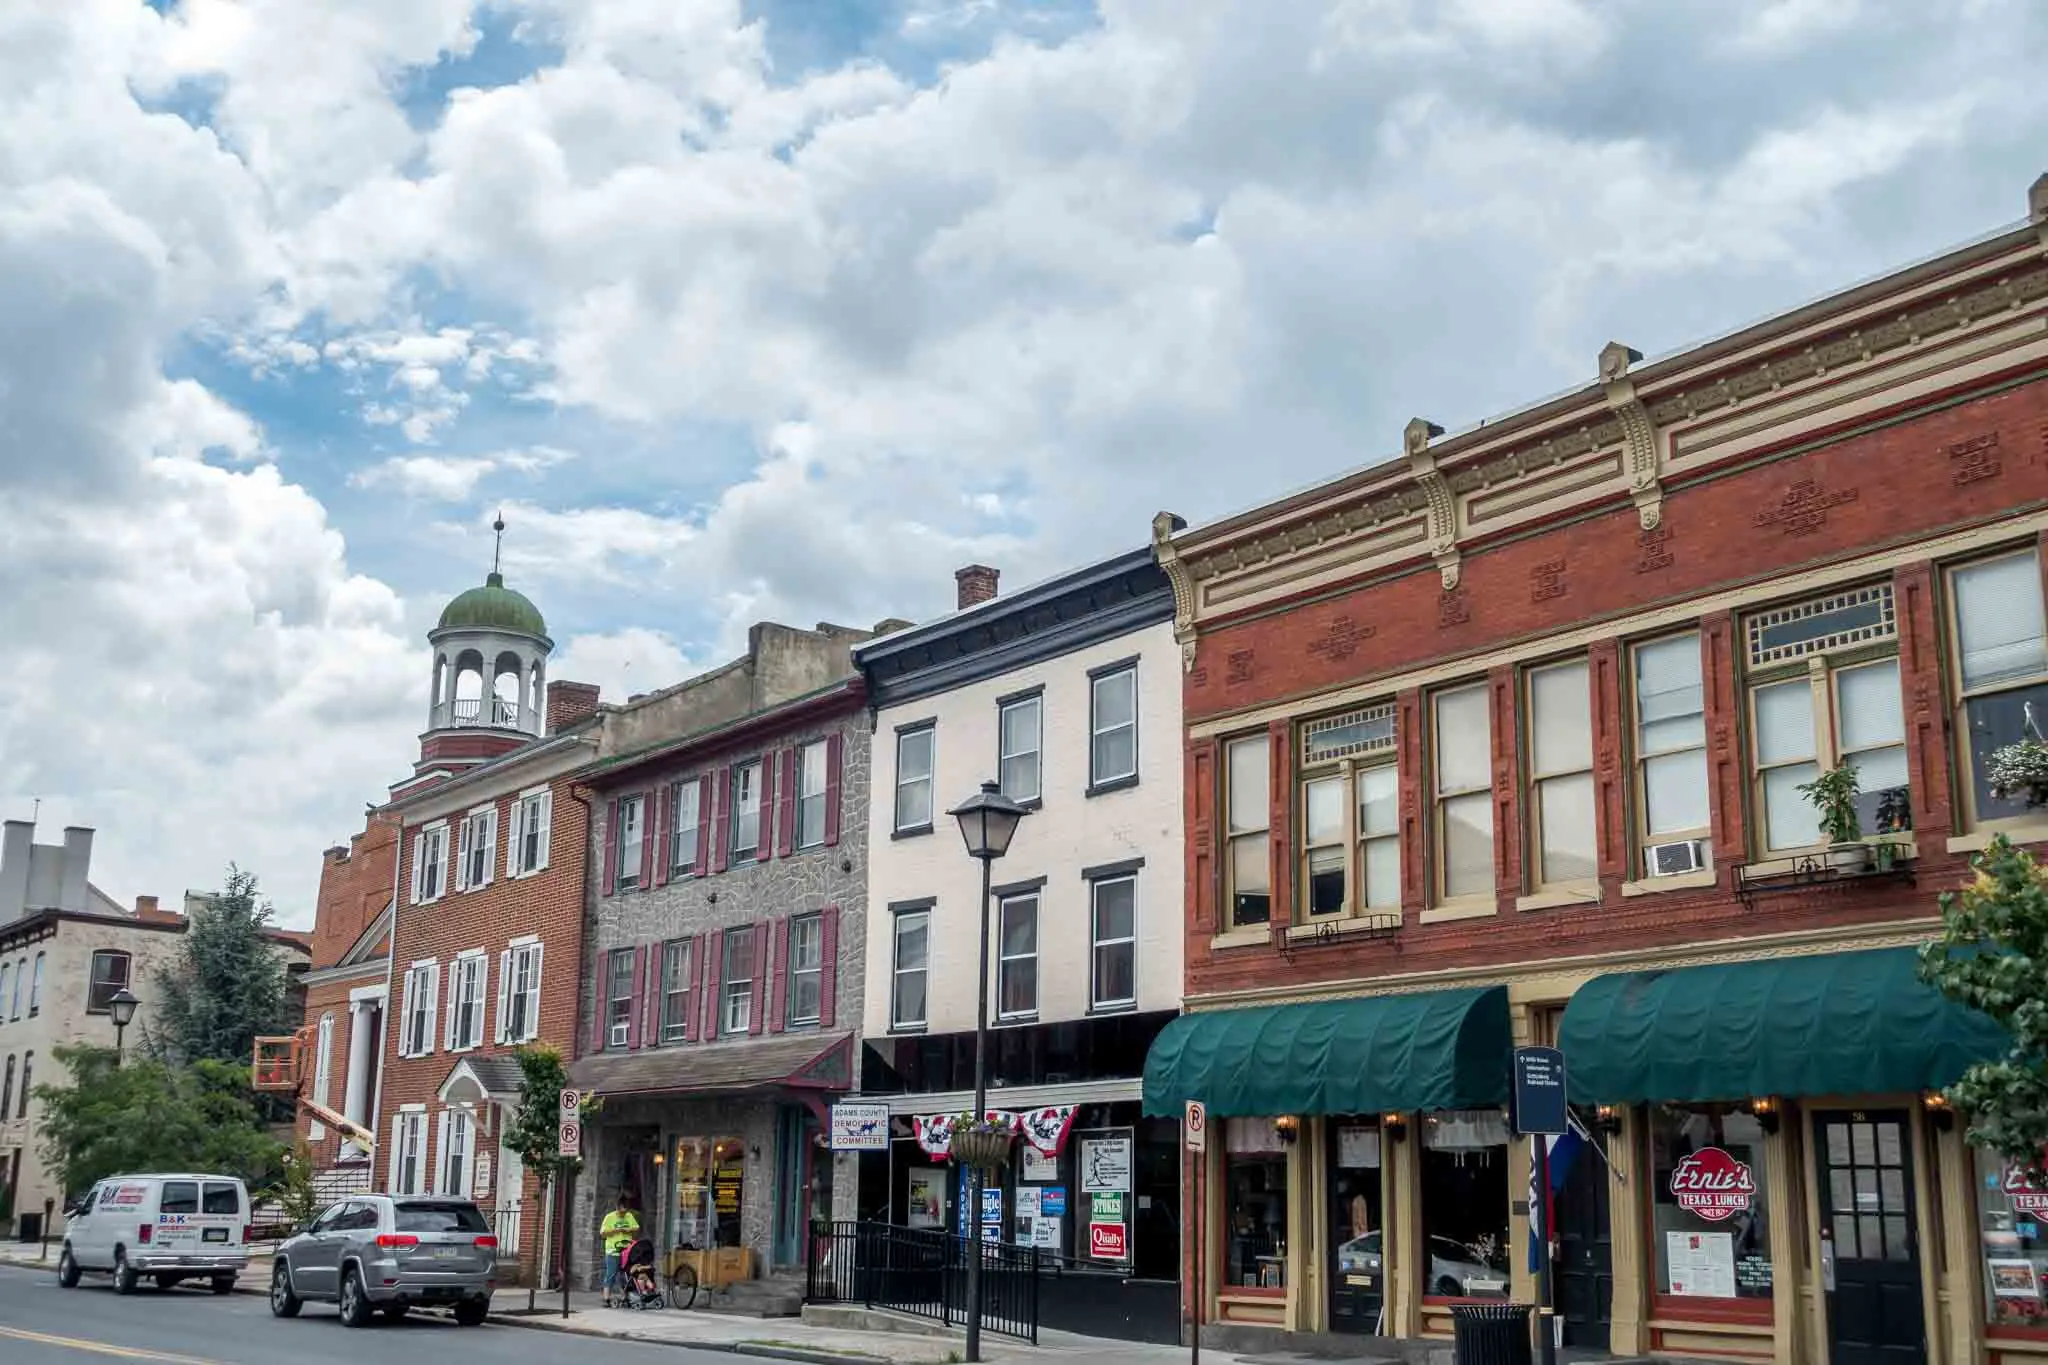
x=284, y=1300
x=355, y=1300
x=223, y=1284
x=67, y=1269
x=124, y=1274
x=472, y=1312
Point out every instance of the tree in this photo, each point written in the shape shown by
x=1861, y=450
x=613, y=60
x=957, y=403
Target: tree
x=1993, y=956
x=535, y=1129
x=227, y=985
x=296, y=1196
x=142, y=1114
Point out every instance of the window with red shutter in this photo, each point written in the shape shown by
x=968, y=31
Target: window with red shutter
x=758, y=1018
x=707, y=828
x=785, y=811
x=657, y=835
x=638, y=1006
x=835, y=758
x=764, y=843
x=721, y=796
x=611, y=848
x=778, y=976
x=828, y=967
x=714, y=980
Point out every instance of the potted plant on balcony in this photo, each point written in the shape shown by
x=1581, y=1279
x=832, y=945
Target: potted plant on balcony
x=2019, y=772
x=1833, y=795
x=982, y=1142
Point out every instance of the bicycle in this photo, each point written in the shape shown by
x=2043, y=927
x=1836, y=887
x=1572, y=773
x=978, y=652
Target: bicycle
x=681, y=1277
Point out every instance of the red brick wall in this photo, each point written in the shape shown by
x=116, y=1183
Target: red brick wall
x=330, y=997
x=1888, y=486
x=355, y=886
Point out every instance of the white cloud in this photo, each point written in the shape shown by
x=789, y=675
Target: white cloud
x=623, y=663
x=452, y=478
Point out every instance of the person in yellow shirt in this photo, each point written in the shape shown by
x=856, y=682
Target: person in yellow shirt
x=617, y=1232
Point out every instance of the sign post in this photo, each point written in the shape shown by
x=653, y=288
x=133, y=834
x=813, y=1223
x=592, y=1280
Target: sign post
x=568, y=1143
x=1540, y=1111
x=1195, y=1128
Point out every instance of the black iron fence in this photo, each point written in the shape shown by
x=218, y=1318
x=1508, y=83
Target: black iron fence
x=923, y=1273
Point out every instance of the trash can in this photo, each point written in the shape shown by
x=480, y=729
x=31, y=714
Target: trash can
x=1491, y=1333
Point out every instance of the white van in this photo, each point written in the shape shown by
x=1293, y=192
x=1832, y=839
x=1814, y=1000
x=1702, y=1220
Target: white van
x=168, y=1227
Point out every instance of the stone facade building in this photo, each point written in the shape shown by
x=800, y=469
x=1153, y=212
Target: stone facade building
x=727, y=883
x=1503, y=742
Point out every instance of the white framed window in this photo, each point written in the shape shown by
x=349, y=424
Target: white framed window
x=746, y=810
x=420, y=1008
x=109, y=973
x=806, y=969
x=323, y=1054
x=519, y=992
x=476, y=853
x=1113, y=726
x=1999, y=673
x=1350, y=835
x=910, y=967
x=430, y=863
x=632, y=816
x=1247, y=801
x=1113, y=927
x=914, y=750
x=810, y=795
x=1461, y=735
x=1670, y=746
x=739, y=979
x=685, y=826
x=467, y=981
x=409, y=1151
x=456, y=1141
x=1017, y=957
x=1020, y=725
x=676, y=995
x=618, y=998
x=531, y=821
x=1561, y=816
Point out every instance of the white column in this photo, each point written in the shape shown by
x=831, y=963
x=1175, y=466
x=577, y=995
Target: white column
x=356, y=1088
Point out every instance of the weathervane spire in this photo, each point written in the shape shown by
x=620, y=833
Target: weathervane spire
x=498, y=549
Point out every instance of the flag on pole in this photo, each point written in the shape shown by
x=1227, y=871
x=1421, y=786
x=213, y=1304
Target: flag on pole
x=1564, y=1152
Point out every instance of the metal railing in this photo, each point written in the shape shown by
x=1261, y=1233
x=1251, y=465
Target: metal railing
x=491, y=713
x=923, y=1273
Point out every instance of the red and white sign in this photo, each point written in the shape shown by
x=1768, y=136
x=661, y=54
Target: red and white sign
x=1713, y=1185
x=2025, y=1196
x=1109, y=1242
x=1195, y=1127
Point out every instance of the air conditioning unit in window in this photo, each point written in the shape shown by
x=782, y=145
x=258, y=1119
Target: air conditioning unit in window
x=1676, y=858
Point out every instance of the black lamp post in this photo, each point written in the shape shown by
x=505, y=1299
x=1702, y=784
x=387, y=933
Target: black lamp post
x=122, y=1008
x=988, y=819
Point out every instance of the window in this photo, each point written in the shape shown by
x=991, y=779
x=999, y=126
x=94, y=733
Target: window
x=456, y=1140
x=810, y=795
x=409, y=1152
x=739, y=979
x=912, y=963
x=1670, y=748
x=28, y=1066
x=675, y=990
x=1254, y=1205
x=1248, y=801
x=109, y=976
x=1561, y=774
x=35, y=989
x=422, y=986
x=417, y=1218
x=1462, y=771
x=618, y=998
x=530, y=821
x=1349, y=831
x=1017, y=958
x=630, y=838
x=914, y=779
x=1727, y=1144
x=429, y=863
x=519, y=993
x=1465, y=1204
x=466, y=982
x=7, y=1089
x=220, y=1197
x=2010, y=1213
x=746, y=810
x=477, y=854
x=1113, y=727
x=20, y=987
x=179, y=1196
x=685, y=828
x=323, y=1056
x=1020, y=723
x=1824, y=689
x=2001, y=671
x=6, y=971
x=1113, y=912
x=806, y=968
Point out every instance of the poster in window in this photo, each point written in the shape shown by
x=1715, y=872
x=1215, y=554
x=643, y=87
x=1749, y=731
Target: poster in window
x=2012, y=1278
x=1045, y=1233
x=1037, y=1166
x=1701, y=1264
x=927, y=1198
x=1358, y=1148
x=1106, y=1166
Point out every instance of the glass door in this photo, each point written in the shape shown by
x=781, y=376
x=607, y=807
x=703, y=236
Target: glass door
x=1358, y=1282
x=1869, y=1259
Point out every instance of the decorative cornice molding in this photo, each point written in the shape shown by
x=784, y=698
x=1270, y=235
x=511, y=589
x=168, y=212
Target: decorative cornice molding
x=1441, y=503
x=2037, y=207
x=1167, y=556
x=1638, y=431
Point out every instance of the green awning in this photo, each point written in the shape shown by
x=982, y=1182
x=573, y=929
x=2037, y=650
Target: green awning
x=1366, y=1055
x=1824, y=1024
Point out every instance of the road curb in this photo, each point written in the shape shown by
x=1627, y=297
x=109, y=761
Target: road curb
x=758, y=1350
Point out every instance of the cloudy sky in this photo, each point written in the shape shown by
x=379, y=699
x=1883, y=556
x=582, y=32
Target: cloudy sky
x=786, y=308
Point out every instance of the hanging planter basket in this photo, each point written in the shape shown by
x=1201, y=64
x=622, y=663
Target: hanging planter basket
x=2019, y=772
x=985, y=1148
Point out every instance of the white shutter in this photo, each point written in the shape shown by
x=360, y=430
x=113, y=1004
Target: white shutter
x=475, y=1029
x=419, y=857
x=504, y=995
x=451, y=1026
x=546, y=815
x=405, y=1018
x=533, y=995
x=490, y=845
x=441, y=1153
x=462, y=857
x=395, y=1153
x=432, y=989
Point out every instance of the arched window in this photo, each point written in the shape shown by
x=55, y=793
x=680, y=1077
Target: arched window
x=6, y=979
x=28, y=1061
x=109, y=977
x=35, y=989
x=7, y=1090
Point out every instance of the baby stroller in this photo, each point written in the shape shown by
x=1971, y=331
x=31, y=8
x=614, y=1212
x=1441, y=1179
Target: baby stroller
x=637, y=1269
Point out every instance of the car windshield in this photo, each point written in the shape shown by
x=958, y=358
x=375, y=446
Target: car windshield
x=451, y=1217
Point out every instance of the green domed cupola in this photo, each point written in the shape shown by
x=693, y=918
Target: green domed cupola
x=491, y=652
x=493, y=607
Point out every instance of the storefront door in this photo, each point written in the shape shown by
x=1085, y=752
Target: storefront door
x=1585, y=1252
x=1865, y=1168
x=1358, y=1279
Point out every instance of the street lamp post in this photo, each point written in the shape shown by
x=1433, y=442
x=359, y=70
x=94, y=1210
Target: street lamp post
x=122, y=1008
x=988, y=820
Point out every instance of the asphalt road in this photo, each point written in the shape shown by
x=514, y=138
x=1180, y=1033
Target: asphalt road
x=41, y=1324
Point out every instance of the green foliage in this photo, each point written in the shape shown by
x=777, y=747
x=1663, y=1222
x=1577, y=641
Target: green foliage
x=143, y=1114
x=535, y=1129
x=1993, y=956
x=294, y=1191
x=227, y=985
x=1833, y=795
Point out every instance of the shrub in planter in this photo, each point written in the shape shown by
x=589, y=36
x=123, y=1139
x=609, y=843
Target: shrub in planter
x=981, y=1143
x=1833, y=795
x=2019, y=772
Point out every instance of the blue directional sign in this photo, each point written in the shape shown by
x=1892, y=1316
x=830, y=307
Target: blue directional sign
x=1539, y=1096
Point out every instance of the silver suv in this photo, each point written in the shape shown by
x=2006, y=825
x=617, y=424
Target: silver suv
x=389, y=1253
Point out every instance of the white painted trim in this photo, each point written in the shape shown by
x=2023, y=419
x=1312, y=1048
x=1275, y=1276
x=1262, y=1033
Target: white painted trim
x=487, y=808
x=523, y=941
x=380, y=991
x=540, y=790
x=413, y=1108
x=1018, y=1097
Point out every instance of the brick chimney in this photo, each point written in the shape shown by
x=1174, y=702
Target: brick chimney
x=977, y=583
x=569, y=703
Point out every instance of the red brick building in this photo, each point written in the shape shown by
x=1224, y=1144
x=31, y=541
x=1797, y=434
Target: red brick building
x=1502, y=741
